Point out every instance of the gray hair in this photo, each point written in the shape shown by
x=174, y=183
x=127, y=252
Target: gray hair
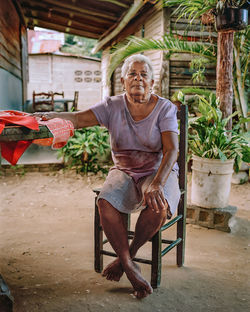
x=136, y=58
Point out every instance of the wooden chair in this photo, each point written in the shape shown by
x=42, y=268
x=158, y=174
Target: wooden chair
x=157, y=241
x=75, y=103
x=59, y=103
x=43, y=102
x=58, y=93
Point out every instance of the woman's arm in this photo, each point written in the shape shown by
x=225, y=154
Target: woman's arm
x=153, y=196
x=79, y=119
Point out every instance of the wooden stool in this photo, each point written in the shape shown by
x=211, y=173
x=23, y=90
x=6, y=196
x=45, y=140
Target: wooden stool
x=157, y=241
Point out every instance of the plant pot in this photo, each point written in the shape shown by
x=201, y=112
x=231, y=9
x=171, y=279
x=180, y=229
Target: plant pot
x=211, y=182
x=232, y=19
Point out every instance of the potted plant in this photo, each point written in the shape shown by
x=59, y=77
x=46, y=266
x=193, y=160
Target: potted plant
x=215, y=151
x=231, y=14
x=228, y=14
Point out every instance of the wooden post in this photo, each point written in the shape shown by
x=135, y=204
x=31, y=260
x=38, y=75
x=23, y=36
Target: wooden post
x=224, y=72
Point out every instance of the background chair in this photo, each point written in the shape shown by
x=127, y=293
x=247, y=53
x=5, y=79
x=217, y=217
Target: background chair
x=157, y=241
x=75, y=103
x=43, y=102
x=59, y=103
x=58, y=93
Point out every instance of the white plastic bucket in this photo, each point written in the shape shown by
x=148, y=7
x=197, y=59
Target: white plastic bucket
x=211, y=182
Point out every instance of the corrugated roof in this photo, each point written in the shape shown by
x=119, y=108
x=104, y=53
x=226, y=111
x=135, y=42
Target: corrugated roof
x=58, y=53
x=44, y=41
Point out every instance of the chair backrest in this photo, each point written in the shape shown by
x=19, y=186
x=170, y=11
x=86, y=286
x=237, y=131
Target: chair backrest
x=75, y=103
x=182, y=116
x=43, y=101
x=58, y=93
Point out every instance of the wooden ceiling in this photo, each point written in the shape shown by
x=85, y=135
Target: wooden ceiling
x=88, y=18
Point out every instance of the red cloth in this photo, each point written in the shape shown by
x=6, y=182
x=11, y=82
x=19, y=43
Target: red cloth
x=12, y=151
x=10, y=117
x=61, y=129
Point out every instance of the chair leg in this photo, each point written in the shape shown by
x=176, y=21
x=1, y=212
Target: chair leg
x=180, y=247
x=156, y=260
x=98, y=241
x=181, y=232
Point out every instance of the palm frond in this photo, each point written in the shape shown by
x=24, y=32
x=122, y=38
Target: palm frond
x=169, y=43
x=190, y=9
x=197, y=91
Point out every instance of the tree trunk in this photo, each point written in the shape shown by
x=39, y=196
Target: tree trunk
x=224, y=72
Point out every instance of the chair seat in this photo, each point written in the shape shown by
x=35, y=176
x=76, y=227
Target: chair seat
x=43, y=108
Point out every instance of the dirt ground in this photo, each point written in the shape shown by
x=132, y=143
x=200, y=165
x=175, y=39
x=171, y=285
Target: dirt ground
x=46, y=254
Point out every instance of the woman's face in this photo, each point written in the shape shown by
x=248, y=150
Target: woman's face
x=138, y=80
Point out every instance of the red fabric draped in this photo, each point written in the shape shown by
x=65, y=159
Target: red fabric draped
x=12, y=151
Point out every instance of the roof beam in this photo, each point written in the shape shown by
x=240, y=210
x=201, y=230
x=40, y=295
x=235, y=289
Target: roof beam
x=119, y=3
x=133, y=26
x=40, y=6
x=138, y=4
x=65, y=29
x=66, y=22
x=74, y=8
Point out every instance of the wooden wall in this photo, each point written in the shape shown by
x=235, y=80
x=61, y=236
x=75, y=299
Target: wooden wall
x=10, y=58
x=154, y=28
x=10, y=48
x=180, y=73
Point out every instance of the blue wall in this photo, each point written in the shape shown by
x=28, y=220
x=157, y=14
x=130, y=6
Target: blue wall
x=10, y=91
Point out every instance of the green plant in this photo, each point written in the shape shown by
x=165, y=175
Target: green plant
x=85, y=149
x=209, y=138
x=79, y=46
x=198, y=67
x=241, y=81
x=192, y=9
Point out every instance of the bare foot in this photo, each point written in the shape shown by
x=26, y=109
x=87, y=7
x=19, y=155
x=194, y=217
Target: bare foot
x=114, y=270
x=141, y=286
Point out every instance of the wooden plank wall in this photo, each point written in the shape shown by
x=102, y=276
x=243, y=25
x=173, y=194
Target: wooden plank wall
x=117, y=87
x=154, y=28
x=24, y=61
x=10, y=53
x=179, y=70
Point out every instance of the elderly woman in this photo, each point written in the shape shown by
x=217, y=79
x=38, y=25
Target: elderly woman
x=144, y=141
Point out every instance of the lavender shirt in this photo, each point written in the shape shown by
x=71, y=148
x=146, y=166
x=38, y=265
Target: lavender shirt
x=136, y=145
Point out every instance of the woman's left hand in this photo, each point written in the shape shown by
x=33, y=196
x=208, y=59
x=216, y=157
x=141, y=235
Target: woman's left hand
x=154, y=198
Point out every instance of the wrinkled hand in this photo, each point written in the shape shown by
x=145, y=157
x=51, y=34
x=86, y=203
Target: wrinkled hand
x=154, y=198
x=45, y=115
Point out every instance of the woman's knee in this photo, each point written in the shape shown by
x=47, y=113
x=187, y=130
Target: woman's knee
x=106, y=210
x=159, y=217
x=101, y=203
